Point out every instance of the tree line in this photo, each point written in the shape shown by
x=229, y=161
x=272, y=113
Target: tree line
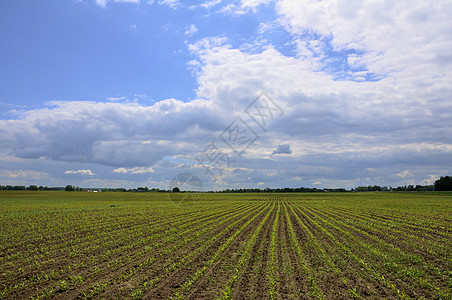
x=29, y=188
x=444, y=183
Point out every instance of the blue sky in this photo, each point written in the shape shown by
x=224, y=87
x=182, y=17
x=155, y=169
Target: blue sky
x=131, y=93
x=77, y=50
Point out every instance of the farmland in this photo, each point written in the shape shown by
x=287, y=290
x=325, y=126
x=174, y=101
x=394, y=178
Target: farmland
x=256, y=246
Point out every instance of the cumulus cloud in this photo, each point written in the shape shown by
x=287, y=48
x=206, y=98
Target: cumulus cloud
x=401, y=116
x=404, y=174
x=210, y=3
x=254, y=3
x=81, y=172
x=240, y=7
x=113, y=134
x=136, y=170
x=25, y=174
x=103, y=3
x=170, y=3
x=191, y=30
x=282, y=149
x=116, y=99
x=391, y=37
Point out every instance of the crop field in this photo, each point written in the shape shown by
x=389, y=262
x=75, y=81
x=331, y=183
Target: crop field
x=82, y=245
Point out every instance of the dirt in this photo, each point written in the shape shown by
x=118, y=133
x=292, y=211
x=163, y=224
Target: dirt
x=331, y=257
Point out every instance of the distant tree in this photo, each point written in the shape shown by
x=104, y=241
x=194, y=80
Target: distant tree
x=176, y=190
x=443, y=184
x=361, y=189
x=33, y=188
x=69, y=188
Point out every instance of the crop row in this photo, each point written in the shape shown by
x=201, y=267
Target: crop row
x=227, y=246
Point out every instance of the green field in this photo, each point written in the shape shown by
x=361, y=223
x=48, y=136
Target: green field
x=254, y=246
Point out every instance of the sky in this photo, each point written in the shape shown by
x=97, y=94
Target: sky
x=239, y=93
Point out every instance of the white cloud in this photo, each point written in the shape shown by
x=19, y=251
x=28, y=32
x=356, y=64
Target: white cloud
x=211, y=3
x=266, y=27
x=254, y=3
x=5, y=158
x=243, y=6
x=101, y=3
x=170, y=3
x=136, y=170
x=25, y=174
x=81, y=172
x=236, y=6
x=208, y=45
x=120, y=170
x=191, y=30
x=110, y=133
x=116, y=99
x=404, y=174
x=395, y=38
x=431, y=179
x=371, y=124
